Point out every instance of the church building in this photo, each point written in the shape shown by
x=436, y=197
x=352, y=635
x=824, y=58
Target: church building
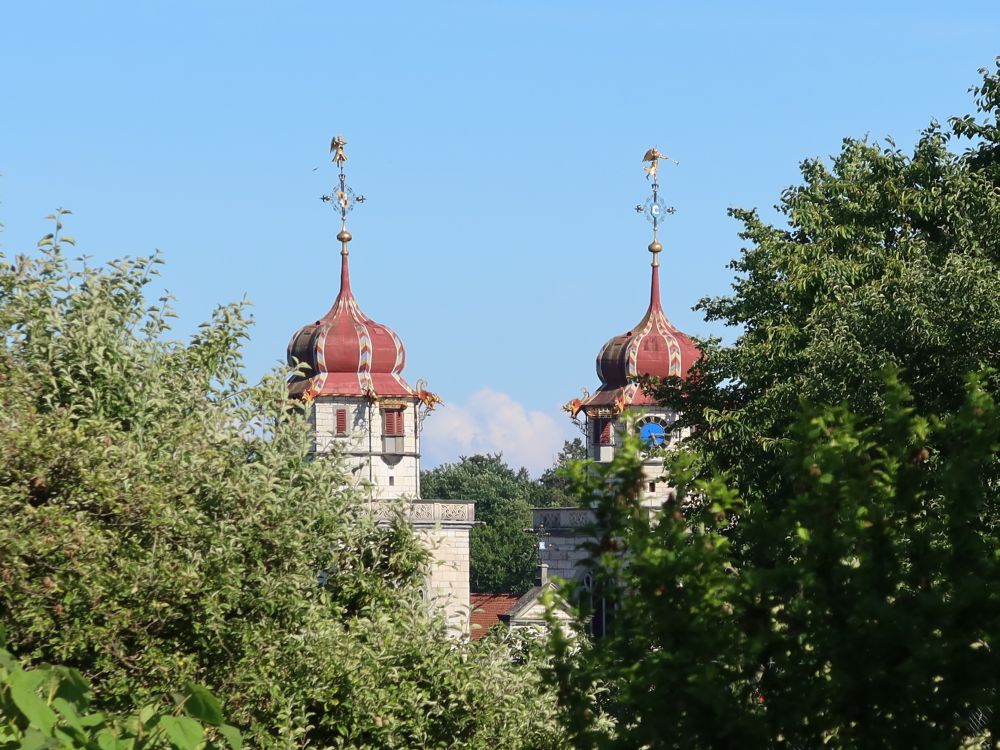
x=350, y=370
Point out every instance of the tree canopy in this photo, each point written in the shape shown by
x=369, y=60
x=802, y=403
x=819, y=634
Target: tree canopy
x=873, y=622
x=887, y=259
x=502, y=555
x=828, y=573
x=556, y=482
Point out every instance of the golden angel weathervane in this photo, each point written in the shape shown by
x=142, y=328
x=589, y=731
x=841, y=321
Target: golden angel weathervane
x=653, y=156
x=337, y=149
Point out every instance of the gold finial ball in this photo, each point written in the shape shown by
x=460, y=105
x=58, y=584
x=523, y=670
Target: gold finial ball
x=655, y=247
x=344, y=236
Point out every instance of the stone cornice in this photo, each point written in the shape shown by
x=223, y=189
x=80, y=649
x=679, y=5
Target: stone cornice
x=431, y=513
x=576, y=520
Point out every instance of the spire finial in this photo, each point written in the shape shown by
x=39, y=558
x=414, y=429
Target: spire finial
x=654, y=207
x=343, y=197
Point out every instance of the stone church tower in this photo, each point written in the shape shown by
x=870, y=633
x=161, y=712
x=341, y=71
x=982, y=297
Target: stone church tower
x=654, y=346
x=363, y=410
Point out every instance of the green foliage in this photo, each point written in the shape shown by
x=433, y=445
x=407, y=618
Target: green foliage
x=983, y=132
x=873, y=622
x=405, y=692
x=828, y=574
x=502, y=554
x=556, y=485
x=163, y=526
x=50, y=707
x=887, y=259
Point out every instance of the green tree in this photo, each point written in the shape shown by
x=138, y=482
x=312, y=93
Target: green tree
x=503, y=555
x=873, y=623
x=887, y=259
x=162, y=525
x=827, y=575
x=556, y=489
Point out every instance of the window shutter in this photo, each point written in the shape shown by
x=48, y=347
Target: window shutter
x=392, y=422
x=606, y=432
x=341, y=421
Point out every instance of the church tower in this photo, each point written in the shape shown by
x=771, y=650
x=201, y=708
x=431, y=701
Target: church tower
x=654, y=346
x=352, y=372
x=350, y=369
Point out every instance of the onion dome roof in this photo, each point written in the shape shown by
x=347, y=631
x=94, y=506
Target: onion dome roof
x=346, y=353
x=653, y=347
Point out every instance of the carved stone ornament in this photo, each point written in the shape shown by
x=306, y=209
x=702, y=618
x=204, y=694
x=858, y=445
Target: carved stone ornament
x=454, y=512
x=548, y=520
x=422, y=512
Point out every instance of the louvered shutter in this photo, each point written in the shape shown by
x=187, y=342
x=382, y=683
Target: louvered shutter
x=392, y=421
x=341, y=421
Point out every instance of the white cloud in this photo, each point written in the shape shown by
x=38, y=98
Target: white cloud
x=493, y=422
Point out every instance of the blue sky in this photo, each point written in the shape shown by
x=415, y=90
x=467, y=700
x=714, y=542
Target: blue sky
x=499, y=146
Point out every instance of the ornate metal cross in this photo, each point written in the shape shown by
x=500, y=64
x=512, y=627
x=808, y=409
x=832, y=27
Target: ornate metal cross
x=655, y=207
x=344, y=198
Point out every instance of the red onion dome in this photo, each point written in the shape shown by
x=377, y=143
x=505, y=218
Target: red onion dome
x=346, y=353
x=653, y=347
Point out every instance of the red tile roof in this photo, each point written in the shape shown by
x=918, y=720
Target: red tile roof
x=486, y=611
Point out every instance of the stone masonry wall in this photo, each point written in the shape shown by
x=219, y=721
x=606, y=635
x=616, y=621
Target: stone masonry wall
x=448, y=579
x=442, y=525
x=390, y=475
x=562, y=531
